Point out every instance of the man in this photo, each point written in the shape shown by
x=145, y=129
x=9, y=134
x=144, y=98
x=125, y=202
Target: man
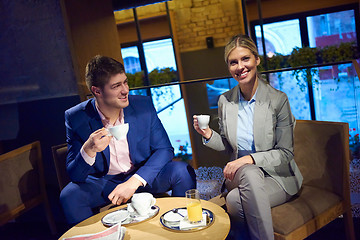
x=103, y=169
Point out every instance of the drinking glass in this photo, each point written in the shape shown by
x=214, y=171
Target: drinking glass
x=193, y=205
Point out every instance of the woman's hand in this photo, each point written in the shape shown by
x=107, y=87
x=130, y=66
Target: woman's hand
x=206, y=133
x=232, y=167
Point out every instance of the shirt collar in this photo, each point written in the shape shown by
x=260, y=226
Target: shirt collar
x=242, y=99
x=106, y=122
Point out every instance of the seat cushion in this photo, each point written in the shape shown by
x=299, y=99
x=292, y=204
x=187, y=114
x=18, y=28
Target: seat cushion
x=309, y=202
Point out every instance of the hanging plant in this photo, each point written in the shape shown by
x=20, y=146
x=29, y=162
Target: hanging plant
x=161, y=76
x=306, y=56
x=156, y=76
x=339, y=53
x=302, y=57
x=277, y=61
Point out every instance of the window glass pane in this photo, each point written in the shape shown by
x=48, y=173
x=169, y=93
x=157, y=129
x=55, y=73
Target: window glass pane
x=215, y=89
x=159, y=54
x=218, y=87
x=331, y=28
x=297, y=93
x=336, y=96
x=131, y=59
x=280, y=37
x=170, y=106
x=138, y=92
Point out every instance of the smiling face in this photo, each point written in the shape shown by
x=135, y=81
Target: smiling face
x=242, y=65
x=114, y=94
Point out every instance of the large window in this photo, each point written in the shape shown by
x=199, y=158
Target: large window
x=168, y=101
x=158, y=55
x=170, y=107
x=298, y=94
x=331, y=28
x=131, y=59
x=280, y=37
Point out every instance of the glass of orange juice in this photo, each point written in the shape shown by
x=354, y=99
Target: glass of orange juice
x=193, y=205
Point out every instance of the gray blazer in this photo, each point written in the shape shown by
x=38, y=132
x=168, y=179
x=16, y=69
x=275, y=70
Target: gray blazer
x=273, y=134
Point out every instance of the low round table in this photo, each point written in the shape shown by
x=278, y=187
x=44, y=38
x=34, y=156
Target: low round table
x=153, y=229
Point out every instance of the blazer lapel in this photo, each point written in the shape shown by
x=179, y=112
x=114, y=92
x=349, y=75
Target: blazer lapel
x=260, y=114
x=231, y=112
x=95, y=124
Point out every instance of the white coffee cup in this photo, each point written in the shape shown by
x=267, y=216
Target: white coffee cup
x=142, y=203
x=203, y=121
x=119, y=131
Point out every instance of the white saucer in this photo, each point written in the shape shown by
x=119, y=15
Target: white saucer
x=124, y=217
x=172, y=217
x=115, y=217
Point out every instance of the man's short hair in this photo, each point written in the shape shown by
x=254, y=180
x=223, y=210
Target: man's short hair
x=100, y=69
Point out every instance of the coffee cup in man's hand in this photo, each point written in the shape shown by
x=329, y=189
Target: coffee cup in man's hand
x=119, y=131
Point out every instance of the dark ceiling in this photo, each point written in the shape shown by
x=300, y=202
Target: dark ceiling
x=126, y=4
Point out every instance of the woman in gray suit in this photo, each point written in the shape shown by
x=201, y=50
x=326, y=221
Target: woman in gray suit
x=256, y=128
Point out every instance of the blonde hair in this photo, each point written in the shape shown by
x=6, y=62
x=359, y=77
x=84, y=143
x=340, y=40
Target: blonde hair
x=240, y=41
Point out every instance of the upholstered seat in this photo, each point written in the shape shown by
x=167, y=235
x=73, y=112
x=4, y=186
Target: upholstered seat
x=309, y=203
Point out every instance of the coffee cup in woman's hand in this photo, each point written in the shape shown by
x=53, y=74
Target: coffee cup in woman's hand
x=203, y=121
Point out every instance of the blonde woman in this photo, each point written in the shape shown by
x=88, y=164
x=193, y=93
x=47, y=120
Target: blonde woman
x=256, y=128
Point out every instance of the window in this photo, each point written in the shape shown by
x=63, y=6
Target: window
x=298, y=96
x=170, y=107
x=158, y=54
x=131, y=59
x=168, y=100
x=331, y=28
x=280, y=37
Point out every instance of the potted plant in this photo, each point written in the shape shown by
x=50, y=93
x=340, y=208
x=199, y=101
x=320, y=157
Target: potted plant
x=183, y=154
x=354, y=144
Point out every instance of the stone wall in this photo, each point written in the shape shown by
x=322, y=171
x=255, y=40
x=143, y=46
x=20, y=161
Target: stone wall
x=195, y=20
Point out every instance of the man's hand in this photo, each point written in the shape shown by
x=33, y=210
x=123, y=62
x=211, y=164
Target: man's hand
x=97, y=142
x=206, y=133
x=124, y=191
x=231, y=167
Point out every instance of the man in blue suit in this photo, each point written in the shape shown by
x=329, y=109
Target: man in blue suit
x=103, y=169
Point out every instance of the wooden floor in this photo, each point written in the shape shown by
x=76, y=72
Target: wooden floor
x=33, y=225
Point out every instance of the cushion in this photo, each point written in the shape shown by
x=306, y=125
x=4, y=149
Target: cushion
x=309, y=202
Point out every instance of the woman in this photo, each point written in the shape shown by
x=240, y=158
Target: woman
x=256, y=128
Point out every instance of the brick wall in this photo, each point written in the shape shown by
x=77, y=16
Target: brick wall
x=195, y=20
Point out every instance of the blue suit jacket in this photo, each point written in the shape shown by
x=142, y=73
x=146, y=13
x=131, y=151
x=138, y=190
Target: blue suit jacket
x=149, y=145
